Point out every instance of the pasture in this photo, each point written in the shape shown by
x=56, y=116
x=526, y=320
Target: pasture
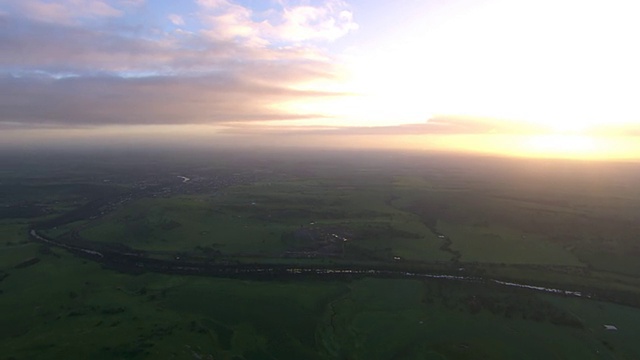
x=64, y=306
x=251, y=220
x=569, y=226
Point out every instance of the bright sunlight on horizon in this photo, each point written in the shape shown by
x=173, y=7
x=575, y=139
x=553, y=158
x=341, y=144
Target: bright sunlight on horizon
x=516, y=78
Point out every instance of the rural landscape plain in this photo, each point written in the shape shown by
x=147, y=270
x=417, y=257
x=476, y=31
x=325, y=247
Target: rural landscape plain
x=318, y=255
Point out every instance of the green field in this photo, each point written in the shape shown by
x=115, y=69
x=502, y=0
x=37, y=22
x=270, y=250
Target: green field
x=66, y=307
x=181, y=224
x=413, y=320
x=537, y=223
x=252, y=220
x=501, y=245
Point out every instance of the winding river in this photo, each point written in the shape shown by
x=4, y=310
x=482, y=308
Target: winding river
x=140, y=262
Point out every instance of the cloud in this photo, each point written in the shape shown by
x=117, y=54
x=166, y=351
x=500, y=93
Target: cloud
x=176, y=19
x=33, y=46
x=443, y=125
x=93, y=101
x=132, y=3
x=59, y=50
x=63, y=11
x=296, y=23
x=49, y=39
x=328, y=22
x=225, y=20
x=57, y=69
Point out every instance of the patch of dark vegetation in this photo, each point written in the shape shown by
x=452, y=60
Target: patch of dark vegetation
x=91, y=209
x=446, y=247
x=3, y=275
x=285, y=214
x=74, y=313
x=224, y=333
x=511, y=303
x=608, y=345
x=23, y=211
x=112, y=311
x=385, y=232
x=316, y=241
x=43, y=347
x=27, y=263
x=45, y=249
x=74, y=240
x=208, y=250
x=429, y=212
x=159, y=332
x=135, y=350
x=255, y=355
x=169, y=225
x=525, y=307
x=355, y=252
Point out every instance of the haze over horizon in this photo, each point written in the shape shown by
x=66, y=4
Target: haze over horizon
x=540, y=79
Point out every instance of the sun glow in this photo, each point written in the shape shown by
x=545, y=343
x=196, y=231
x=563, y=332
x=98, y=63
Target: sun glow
x=485, y=64
x=521, y=89
x=580, y=147
x=563, y=145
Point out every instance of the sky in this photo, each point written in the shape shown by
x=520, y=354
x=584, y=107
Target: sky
x=545, y=78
